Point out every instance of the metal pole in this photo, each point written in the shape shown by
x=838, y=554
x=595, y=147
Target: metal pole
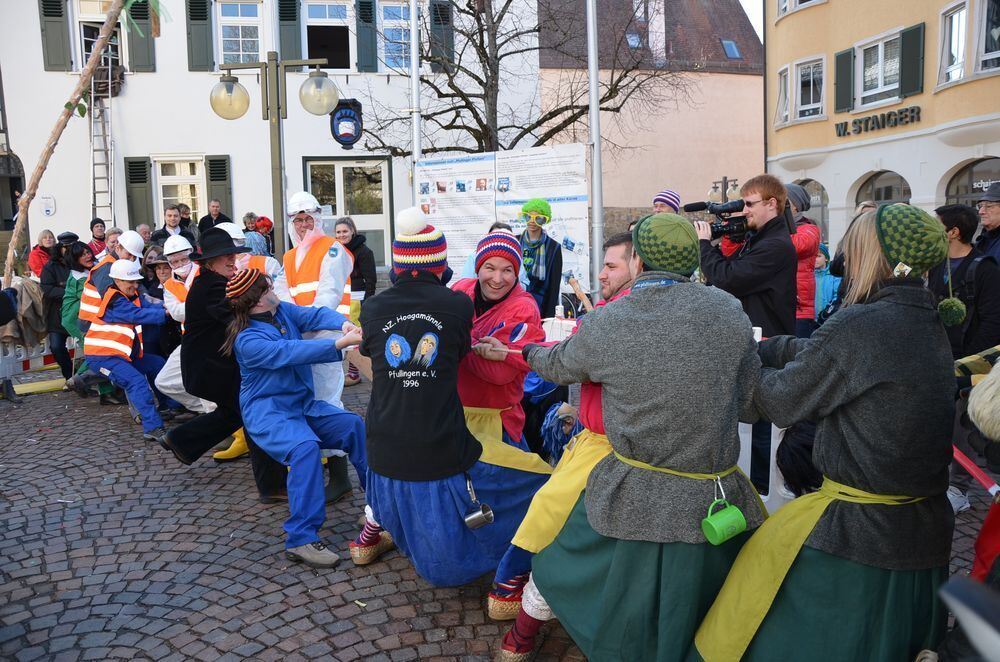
x=415, y=91
x=596, y=173
x=269, y=86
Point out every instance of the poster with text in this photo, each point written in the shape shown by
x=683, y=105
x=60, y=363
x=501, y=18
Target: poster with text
x=464, y=195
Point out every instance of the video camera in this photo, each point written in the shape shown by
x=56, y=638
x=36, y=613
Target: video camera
x=734, y=228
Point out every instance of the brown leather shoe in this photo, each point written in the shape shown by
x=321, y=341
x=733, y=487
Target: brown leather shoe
x=365, y=554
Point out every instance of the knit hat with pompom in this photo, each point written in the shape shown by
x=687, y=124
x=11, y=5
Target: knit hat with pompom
x=418, y=246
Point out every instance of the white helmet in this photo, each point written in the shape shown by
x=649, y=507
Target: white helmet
x=303, y=201
x=175, y=244
x=125, y=270
x=234, y=231
x=133, y=242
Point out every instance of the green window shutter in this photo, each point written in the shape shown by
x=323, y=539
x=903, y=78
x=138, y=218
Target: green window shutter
x=201, y=50
x=442, y=35
x=843, y=81
x=911, y=61
x=220, y=185
x=141, y=48
x=139, y=191
x=56, y=55
x=367, y=35
x=290, y=29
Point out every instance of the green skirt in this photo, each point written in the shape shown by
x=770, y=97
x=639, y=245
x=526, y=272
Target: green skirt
x=829, y=608
x=626, y=599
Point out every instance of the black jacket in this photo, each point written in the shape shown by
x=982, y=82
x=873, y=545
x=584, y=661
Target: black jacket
x=415, y=423
x=206, y=372
x=54, y=277
x=8, y=308
x=981, y=329
x=160, y=237
x=547, y=291
x=206, y=222
x=761, y=275
x=363, y=278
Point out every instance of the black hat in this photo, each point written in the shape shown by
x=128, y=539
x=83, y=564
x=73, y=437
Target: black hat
x=95, y=222
x=216, y=242
x=992, y=194
x=68, y=238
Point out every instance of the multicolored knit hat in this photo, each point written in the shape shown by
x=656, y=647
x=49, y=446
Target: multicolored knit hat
x=667, y=242
x=418, y=245
x=912, y=240
x=669, y=198
x=241, y=282
x=499, y=244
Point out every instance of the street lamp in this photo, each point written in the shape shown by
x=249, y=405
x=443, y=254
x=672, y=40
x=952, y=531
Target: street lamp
x=724, y=190
x=230, y=101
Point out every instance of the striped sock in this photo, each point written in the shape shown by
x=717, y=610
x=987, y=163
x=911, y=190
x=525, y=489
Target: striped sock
x=369, y=535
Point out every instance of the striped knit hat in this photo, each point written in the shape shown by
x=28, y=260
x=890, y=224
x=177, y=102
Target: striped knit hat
x=669, y=198
x=241, y=282
x=418, y=245
x=499, y=244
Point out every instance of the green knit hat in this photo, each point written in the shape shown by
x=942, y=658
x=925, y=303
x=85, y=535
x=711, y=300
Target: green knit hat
x=667, y=242
x=912, y=240
x=539, y=206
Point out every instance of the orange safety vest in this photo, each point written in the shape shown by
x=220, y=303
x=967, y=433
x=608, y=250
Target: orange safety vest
x=303, y=282
x=90, y=298
x=258, y=262
x=112, y=339
x=177, y=288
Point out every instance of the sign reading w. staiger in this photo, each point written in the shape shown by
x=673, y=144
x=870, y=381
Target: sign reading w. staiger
x=464, y=195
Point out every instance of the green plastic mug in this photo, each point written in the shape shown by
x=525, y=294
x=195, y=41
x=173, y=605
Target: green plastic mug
x=720, y=526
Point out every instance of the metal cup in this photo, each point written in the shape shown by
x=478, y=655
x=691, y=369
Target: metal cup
x=479, y=516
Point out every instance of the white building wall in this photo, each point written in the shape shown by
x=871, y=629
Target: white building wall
x=167, y=113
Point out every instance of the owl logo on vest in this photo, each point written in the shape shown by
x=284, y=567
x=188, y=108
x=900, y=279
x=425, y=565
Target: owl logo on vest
x=346, y=125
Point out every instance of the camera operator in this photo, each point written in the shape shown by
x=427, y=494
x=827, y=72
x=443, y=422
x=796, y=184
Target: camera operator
x=761, y=274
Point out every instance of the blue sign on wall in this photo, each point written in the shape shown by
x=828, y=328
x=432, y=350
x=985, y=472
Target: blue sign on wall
x=345, y=123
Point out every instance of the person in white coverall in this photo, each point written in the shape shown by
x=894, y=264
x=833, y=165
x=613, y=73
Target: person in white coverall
x=315, y=273
x=265, y=263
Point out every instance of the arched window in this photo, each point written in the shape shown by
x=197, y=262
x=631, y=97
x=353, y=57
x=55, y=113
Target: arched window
x=884, y=187
x=819, y=205
x=969, y=183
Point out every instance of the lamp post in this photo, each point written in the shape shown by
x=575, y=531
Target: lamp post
x=230, y=101
x=723, y=190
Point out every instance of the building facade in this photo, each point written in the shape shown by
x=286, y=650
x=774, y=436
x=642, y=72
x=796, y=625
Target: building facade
x=166, y=145
x=884, y=101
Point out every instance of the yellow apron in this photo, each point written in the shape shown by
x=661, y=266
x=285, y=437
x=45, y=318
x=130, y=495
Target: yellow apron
x=552, y=504
x=486, y=426
x=760, y=569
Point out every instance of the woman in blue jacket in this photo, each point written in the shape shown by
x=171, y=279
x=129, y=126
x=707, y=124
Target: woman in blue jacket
x=277, y=403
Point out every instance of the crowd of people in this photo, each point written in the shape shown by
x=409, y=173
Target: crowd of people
x=631, y=523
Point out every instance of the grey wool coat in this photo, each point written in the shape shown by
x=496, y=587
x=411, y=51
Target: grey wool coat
x=677, y=365
x=878, y=379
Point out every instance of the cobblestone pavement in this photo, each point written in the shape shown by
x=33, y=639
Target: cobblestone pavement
x=110, y=549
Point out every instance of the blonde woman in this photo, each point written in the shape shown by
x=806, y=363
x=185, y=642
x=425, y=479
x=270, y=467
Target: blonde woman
x=41, y=253
x=870, y=549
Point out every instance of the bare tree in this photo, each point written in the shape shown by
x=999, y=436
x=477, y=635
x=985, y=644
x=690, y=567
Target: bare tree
x=485, y=93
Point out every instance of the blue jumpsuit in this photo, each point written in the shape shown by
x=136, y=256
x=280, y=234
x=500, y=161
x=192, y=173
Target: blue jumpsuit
x=137, y=376
x=281, y=414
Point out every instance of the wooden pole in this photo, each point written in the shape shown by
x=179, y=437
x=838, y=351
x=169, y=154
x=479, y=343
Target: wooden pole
x=85, y=81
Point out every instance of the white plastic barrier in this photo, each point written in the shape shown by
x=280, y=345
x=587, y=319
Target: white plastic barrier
x=776, y=481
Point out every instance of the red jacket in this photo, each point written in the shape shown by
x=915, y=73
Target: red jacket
x=806, y=242
x=591, y=405
x=37, y=259
x=500, y=384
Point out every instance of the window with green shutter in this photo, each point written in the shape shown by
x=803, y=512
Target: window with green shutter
x=201, y=52
x=843, y=81
x=139, y=191
x=289, y=29
x=442, y=36
x=367, y=35
x=141, y=47
x=56, y=54
x=911, y=61
x=219, y=182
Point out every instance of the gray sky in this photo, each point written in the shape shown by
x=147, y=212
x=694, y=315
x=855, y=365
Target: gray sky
x=755, y=11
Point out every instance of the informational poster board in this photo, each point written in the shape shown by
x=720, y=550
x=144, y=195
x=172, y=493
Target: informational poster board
x=464, y=195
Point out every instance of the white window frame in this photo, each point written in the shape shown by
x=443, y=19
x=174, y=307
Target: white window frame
x=859, y=71
x=943, y=44
x=224, y=21
x=160, y=180
x=798, y=105
x=980, y=42
x=77, y=18
x=383, y=25
x=779, y=120
x=349, y=23
x=792, y=6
